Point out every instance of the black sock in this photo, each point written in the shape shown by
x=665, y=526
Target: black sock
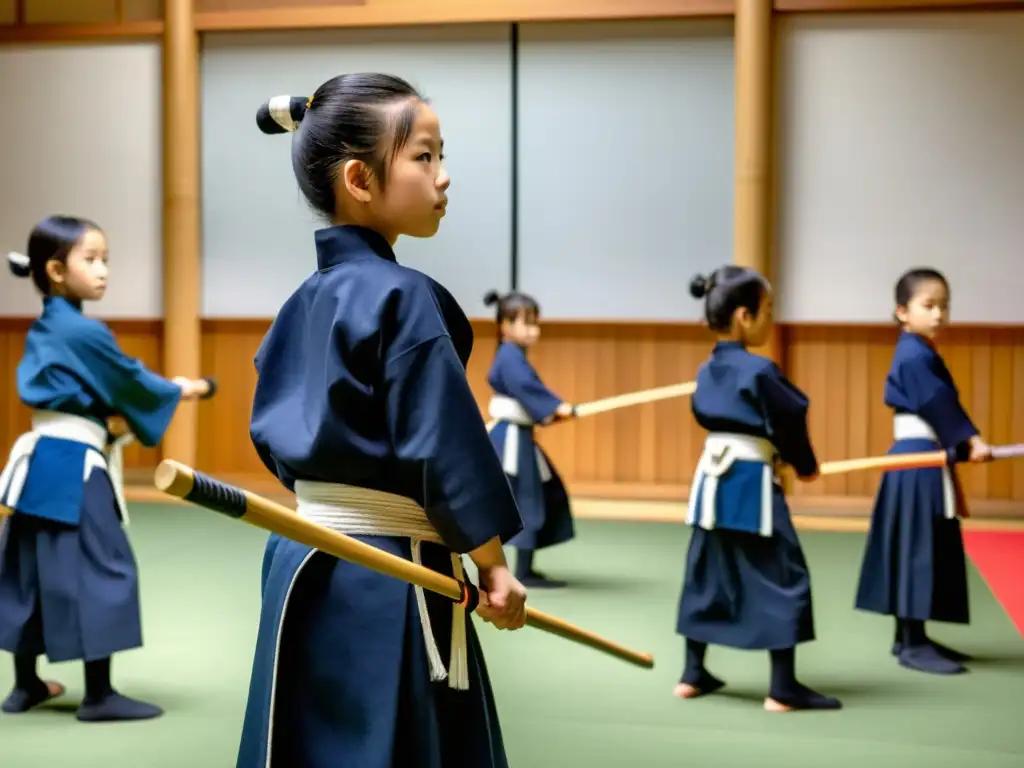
x=524, y=563
x=25, y=676
x=899, y=631
x=913, y=633
x=694, y=669
x=783, y=671
x=97, y=680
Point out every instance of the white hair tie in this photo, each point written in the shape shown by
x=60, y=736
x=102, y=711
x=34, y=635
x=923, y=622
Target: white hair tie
x=280, y=108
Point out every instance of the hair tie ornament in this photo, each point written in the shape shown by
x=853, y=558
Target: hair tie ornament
x=282, y=114
x=21, y=266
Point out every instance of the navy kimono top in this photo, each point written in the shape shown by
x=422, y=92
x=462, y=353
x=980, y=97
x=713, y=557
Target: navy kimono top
x=361, y=381
x=73, y=364
x=512, y=375
x=920, y=383
x=748, y=394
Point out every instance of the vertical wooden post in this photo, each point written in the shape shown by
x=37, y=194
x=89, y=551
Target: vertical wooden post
x=753, y=127
x=181, y=276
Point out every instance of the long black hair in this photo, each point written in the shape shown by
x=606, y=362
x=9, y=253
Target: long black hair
x=348, y=117
x=727, y=289
x=52, y=239
x=511, y=306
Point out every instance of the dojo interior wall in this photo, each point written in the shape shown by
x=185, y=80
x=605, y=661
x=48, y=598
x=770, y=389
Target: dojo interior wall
x=897, y=141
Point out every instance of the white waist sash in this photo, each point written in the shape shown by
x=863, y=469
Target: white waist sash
x=909, y=426
x=721, y=449
x=508, y=409
x=65, y=426
x=505, y=408
x=363, y=512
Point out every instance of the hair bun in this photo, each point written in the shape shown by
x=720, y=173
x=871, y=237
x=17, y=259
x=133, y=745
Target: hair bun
x=491, y=297
x=700, y=286
x=282, y=114
x=19, y=264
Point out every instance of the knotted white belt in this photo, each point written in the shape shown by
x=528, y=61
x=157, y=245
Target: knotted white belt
x=363, y=512
x=505, y=408
x=721, y=449
x=65, y=426
x=909, y=426
x=511, y=410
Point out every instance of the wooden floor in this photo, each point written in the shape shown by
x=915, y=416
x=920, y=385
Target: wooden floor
x=809, y=513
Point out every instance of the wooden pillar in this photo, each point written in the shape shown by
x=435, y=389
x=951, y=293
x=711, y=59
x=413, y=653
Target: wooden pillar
x=752, y=207
x=181, y=275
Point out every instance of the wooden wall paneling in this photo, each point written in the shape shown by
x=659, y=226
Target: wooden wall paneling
x=228, y=350
x=645, y=452
x=14, y=417
x=141, y=10
x=80, y=33
x=290, y=15
x=1000, y=476
x=76, y=12
x=221, y=6
x=874, y=6
x=1016, y=416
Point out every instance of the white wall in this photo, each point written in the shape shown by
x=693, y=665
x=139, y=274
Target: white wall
x=257, y=228
x=81, y=136
x=625, y=165
x=901, y=143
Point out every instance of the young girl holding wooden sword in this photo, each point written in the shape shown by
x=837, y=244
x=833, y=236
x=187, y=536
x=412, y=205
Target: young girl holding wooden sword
x=68, y=578
x=747, y=584
x=520, y=403
x=362, y=407
x=914, y=567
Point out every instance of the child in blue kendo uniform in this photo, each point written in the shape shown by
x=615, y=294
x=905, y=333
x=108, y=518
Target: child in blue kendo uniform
x=519, y=405
x=914, y=567
x=363, y=409
x=746, y=584
x=68, y=578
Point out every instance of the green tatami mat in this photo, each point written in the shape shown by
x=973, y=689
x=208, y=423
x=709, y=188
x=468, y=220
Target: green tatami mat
x=561, y=705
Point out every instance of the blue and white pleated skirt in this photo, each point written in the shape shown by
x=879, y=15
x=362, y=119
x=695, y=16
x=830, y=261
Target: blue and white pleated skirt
x=746, y=583
x=69, y=587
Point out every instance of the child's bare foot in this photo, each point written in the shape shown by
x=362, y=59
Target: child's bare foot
x=707, y=683
x=801, y=697
x=686, y=691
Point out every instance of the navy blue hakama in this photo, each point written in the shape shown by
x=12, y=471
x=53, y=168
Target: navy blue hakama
x=70, y=591
x=341, y=670
x=539, y=490
x=745, y=590
x=914, y=566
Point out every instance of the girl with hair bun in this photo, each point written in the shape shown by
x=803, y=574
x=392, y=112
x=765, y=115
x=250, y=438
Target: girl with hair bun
x=363, y=409
x=914, y=567
x=520, y=403
x=68, y=578
x=746, y=582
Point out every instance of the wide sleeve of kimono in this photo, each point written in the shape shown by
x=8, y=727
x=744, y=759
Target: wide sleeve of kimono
x=523, y=384
x=265, y=410
x=785, y=409
x=145, y=400
x=433, y=419
x=934, y=399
